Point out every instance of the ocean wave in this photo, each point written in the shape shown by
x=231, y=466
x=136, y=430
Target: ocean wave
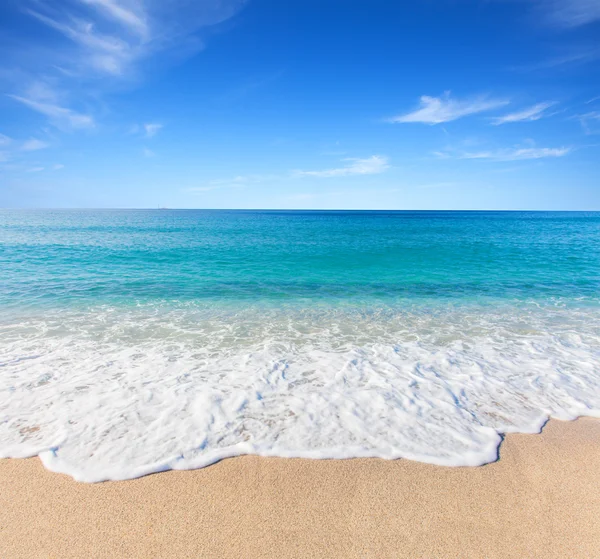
x=118, y=392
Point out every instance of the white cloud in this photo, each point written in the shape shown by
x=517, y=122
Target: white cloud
x=517, y=154
x=570, y=13
x=590, y=122
x=239, y=181
x=60, y=116
x=34, y=144
x=572, y=58
x=35, y=169
x=532, y=113
x=113, y=36
x=58, y=167
x=152, y=129
x=131, y=17
x=593, y=115
x=89, y=45
x=105, y=53
x=5, y=140
x=148, y=153
x=435, y=110
x=369, y=166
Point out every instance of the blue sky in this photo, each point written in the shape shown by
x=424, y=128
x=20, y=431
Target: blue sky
x=437, y=104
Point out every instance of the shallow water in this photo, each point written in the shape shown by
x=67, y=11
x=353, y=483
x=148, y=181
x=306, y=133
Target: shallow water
x=137, y=341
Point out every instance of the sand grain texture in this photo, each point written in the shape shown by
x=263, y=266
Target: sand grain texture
x=541, y=500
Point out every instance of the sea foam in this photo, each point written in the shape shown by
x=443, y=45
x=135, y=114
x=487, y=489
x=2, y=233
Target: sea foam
x=111, y=393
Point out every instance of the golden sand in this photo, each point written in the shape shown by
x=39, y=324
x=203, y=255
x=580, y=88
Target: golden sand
x=540, y=500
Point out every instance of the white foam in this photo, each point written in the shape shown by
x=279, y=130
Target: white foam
x=116, y=394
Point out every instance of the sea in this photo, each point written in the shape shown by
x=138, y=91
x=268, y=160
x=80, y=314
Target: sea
x=137, y=341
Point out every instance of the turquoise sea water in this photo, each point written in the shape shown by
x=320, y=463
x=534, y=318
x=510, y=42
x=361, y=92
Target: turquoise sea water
x=55, y=258
x=134, y=341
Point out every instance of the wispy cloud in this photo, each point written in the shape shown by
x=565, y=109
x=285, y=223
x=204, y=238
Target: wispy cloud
x=148, y=130
x=60, y=116
x=570, y=13
x=531, y=113
x=152, y=129
x=148, y=153
x=111, y=37
x=35, y=169
x=590, y=122
x=370, y=166
x=570, y=59
x=239, y=181
x=58, y=167
x=90, y=46
x=5, y=140
x=509, y=154
x=435, y=110
x=33, y=144
x=105, y=53
x=132, y=17
x=355, y=166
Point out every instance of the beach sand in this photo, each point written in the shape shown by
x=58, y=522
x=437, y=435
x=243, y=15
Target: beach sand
x=540, y=500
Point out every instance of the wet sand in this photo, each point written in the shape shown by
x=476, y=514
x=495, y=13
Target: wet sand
x=540, y=500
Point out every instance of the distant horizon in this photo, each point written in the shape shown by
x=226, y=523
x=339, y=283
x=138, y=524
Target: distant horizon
x=301, y=209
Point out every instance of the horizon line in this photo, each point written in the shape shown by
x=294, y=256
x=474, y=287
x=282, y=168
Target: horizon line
x=162, y=209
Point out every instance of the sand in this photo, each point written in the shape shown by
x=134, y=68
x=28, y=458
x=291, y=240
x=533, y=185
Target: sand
x=540, y=500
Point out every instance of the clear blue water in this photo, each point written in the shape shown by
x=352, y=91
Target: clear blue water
x=140, y=340
x=123, y=257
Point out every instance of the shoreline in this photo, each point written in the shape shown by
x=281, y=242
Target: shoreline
x=541, y=499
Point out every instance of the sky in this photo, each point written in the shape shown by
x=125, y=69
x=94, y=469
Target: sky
x=435, y=104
